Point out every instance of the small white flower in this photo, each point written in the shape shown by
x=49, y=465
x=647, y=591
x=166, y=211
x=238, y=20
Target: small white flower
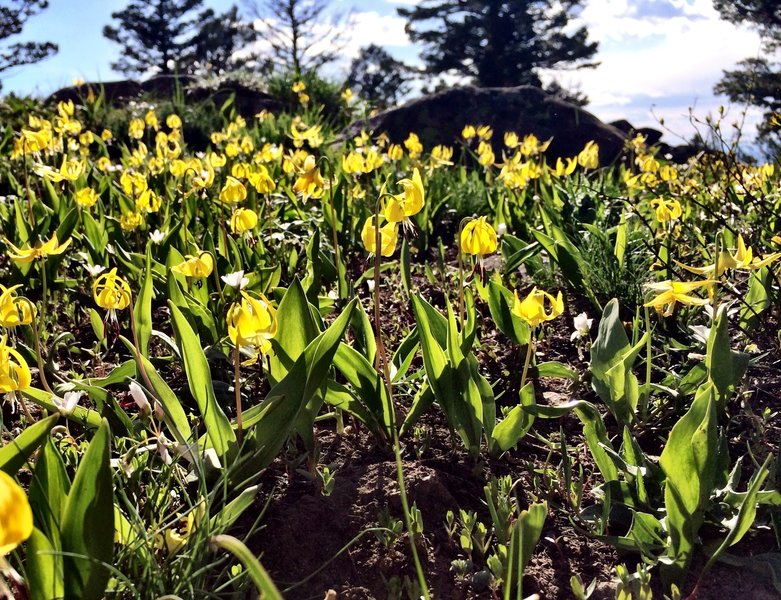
x=139, y=397
x=701, y=333
x=235, y=280
x=582, y=326
x=94, y=270
x=370, y=284
x=67, y=404
x=501, y=229
x=157, y=236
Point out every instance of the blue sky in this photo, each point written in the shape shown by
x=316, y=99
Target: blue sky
x=658, y=57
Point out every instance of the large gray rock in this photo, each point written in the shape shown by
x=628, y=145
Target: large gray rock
x=439, y=118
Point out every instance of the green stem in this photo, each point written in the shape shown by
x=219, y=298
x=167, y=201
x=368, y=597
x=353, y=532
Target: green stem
x=43, y=296
x=39, y=358
x=646, y=396
x=237, y=388
x=529, y=349
x=381, y=362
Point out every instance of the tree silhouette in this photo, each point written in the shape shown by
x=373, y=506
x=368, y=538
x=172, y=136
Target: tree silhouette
x=13, y=15
x=379, y=78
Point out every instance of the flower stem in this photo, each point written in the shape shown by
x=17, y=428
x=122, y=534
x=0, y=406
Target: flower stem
x=529, y=350
x=39, y=358
x=237, y=388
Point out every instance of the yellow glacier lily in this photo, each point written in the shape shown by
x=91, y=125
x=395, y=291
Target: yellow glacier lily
x=14, y=372
x=478, y=237
x=401, y=207
x=672, y=292
x=16, y=516
x=111, y=292
x=532, y=308
x=27, y=255
x=389, y=233
x=13, y=309
x=201, y=265
x=253, y=322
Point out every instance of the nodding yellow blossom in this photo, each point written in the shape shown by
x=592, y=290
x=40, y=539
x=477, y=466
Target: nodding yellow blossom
x=131, y=220
x=233, y=192
x=413, y=145
x=136, y=128
x=484, y=132
x=531, y=145
x=133, y=183
x=173, y=121
x=478, y=237
x=15, y=310
x=261, y=180
x=672, y=292
x=347, y=95
x=252, y=322
x=401, y=207
x=395, y=152
x=27, y=255
x=200, y=265
x=243, y=220
x=588, y=158
x=668, y=173
x=532, y=308
x=110, y=291
x=309, y=183
x=150, y=118
x=389, y=233
x=16, y=516
x=563, y=170
x=441, y=155
x=743, y=258
x=667, y=210
x=468, y=132
x=85, y=197
x=14, y=372
x=298, y=87
x=511, y=139
x=148, y=201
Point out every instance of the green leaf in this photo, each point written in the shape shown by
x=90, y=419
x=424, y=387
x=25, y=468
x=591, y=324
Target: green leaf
x=500, y=303
x=49, y=492
x=199, y=380
x=556, y=369
x=83, y=416
x=44, y=568
x=261, y=579
x=88, y=522
x=525, y=535
x=516, y=423
x=142, y=311
x=295, y=330
x=367, y=383
x=15, y=453
x=232, y=511
x=725, y=367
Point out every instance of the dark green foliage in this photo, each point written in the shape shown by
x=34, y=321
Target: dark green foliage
x=13, y=15
x=757, y=81
x=172, y=36
x=379, y=78
x=498, y=44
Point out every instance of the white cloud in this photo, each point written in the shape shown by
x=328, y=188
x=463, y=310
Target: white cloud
x=652, y=50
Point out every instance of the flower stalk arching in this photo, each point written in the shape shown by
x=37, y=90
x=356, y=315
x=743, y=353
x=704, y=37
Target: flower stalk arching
x=382, y=366
x=334, y=233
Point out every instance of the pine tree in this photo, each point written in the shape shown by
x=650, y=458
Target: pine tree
x=379, y=78
x=175, y=36
x=13, y=15
x=757, y=81
x=498, y=43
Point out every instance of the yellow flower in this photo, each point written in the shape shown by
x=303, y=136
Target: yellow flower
x=309, y=182
x=672, y=292
x=110, y=291
x=150, y=118
x=27, y=255
x=253, y=322
x=233, y=191
x=16, y=516
x=532, y=308
x=261, y=180
x=666, y=210
x=14, y=373
x=742, y=259
x=173, y=121
x=561, y=170
x=413, y=145
x=402, y=206
x=196, y=266
x=303, y=98
x=133, y=183
x=298, y=87
x=511, y=139
x=388, y=235
x=243, y=219
x=588, y=158
x=13, y=309
x=347, y=95
x=136, y=129
x=484, y=132
x=85, y=197
x=395, y=152
x=130, y=221
x=478, y=237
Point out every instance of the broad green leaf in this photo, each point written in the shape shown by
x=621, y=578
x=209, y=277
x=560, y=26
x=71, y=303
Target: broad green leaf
x=44, y=568
x=516, y=423
x=142, y=311
x=261, y=579
x=15, y=453
x=88, y=522
x=367, y=383
x=295, y=330
x=500, y=303
x=84, y=416
x=232, y=511
x=199, y=380
x=49, y=492
x=725, y=367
